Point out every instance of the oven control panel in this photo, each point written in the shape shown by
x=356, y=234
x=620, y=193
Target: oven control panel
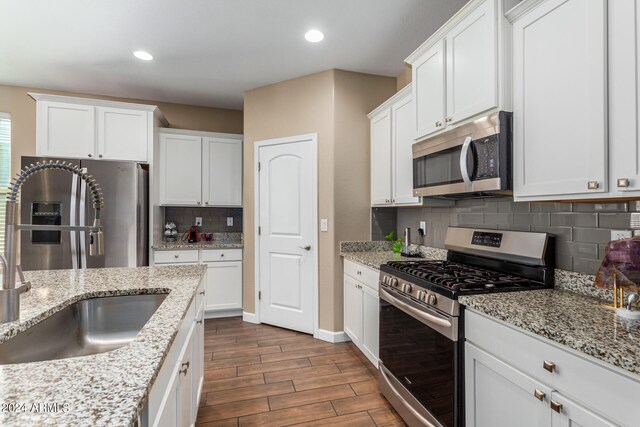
x=484, y=238
x=420, y=294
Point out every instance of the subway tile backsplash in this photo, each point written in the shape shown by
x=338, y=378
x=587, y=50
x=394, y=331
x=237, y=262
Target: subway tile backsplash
x=582, y=230
x=214, y=220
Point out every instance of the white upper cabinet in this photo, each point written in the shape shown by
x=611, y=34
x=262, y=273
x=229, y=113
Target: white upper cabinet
x=222, y=172
x=560, y=100
x=428, y=89
x=180, y=170
x=200, y=168
x=464, y=69
x=381, y=158
x=392, y=126
x=472, y=65
x=93, y=128
x=624, y=95
x=123, y=134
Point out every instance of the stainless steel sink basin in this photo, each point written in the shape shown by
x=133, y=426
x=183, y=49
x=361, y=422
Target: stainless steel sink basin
x=90, y=326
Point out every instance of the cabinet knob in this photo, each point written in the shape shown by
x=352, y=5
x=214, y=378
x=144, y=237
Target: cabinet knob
x=100, y=155
x=449, y=119
x=556, y=406
x=438, y=124
x=623, y=182
x=593, y=185
x=201, y=292
x=199, y=322
x=90, y=155
x=206, y=203
x=221, y=255
x=185, y=368
x=176, y=256
x=198, y=202
x=549, y=366
x=539, y=395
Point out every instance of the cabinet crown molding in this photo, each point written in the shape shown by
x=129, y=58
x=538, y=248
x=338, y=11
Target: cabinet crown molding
x=521, y=9
x=100, y=103
x=205, y=134
x=389, y=102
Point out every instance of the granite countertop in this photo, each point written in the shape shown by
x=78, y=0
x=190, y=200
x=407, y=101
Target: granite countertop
x=103, y=389
x=580, y=322
x=374, y=254
x=199, y=245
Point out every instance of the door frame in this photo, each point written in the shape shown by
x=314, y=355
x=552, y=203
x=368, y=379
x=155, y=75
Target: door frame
x=311, y=138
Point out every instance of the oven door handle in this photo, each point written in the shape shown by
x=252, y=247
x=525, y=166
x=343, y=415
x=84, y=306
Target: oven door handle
x=464, y=166
x=401, y=399
x=418, y=314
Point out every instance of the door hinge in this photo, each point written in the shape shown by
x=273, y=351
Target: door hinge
x=259, y=230
x=259, y=295
x=259, y=166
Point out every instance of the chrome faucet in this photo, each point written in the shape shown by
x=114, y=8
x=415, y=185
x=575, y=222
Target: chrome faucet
x=10, y=294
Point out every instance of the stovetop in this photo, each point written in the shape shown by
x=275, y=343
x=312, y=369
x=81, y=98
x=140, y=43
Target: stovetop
x=452, y=278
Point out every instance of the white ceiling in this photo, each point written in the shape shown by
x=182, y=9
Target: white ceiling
x=207, y=52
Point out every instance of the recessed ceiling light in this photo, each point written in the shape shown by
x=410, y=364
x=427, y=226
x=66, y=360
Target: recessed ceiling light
x=314, y=36
x=143, y=54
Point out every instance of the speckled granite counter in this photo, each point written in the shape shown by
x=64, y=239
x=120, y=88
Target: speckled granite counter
x=374, y=254
x=105, y=389
x=164, y=246
x=577, y=321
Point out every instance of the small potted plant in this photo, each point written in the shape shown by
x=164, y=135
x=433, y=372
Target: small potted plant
x=397, y=243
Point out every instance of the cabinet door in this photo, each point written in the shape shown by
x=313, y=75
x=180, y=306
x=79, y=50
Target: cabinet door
x=498, y=395
x=624, y=95
x=222, y=172
x=560, y=98
x=224, y=285
x=381, y=159
x=403, y=120
x=370, y=324
x=168, y=412
x=428, y=91
x=123, y=134
x=180, y=170
x=566, y=413
x=353, y=310
x=65, y=130
x=186, y=403
x=472, y=64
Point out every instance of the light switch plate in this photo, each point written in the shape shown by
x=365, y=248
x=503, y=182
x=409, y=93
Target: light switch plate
x=229, y=221
x=324, y=224
x=423, y=225
x=198, y=221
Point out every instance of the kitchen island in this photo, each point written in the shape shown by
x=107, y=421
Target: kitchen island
x=111, y=388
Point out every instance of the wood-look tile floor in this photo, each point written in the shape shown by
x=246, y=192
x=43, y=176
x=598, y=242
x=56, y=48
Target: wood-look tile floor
x=260, y=375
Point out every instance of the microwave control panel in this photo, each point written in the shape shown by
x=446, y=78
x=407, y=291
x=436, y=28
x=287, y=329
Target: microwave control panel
x=487, y=155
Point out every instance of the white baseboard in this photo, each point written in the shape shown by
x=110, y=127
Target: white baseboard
x=224, y=313
x=333, y=337
x=250, y=317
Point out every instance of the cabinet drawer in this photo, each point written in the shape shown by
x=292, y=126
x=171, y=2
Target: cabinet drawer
x=363, y=274
x=173, y=257
x=587, y=381
x=222, y=255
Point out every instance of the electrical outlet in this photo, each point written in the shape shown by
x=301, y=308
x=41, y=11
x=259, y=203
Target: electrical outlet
x=229, y=221
x=324, y=225
x=621, y=234
x=198, y=221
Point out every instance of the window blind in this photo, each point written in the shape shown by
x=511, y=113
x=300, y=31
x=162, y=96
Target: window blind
x=5, y=169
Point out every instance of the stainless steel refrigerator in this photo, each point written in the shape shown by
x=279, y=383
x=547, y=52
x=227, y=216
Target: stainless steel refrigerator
x=58, y=197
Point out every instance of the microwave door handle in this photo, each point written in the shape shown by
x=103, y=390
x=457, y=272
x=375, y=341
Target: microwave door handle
x=464, y=166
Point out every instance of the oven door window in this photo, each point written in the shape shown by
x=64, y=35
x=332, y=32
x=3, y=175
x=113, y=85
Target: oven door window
x=441, y=168
x=423, y=360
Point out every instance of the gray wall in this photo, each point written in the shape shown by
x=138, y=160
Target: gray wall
x=214, y=220
x=383, y=221
x=582, y=230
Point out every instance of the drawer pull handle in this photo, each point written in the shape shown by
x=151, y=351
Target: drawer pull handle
x=593, y=185
x=201, y=292
x=549, y=366
x=539, y=395
x=556, y=406
x=186, y=368
x=176, y=256
x=199, y=322
x=623, y=182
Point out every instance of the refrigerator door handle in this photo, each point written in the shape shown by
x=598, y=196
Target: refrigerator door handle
x=73, y=235
x=83, y=214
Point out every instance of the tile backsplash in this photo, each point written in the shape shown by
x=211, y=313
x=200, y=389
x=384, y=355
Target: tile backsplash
x=214, y=220
x=582, y=230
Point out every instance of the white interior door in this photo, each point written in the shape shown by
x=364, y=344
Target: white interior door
x=286, y=186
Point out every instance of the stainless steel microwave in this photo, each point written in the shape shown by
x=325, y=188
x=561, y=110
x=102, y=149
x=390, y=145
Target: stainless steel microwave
x=472, y=160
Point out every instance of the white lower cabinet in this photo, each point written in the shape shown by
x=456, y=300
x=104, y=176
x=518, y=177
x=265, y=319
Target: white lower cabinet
x=513, y=378
x=175, y=394
x=361, y=313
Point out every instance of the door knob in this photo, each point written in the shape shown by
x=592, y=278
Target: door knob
x=305, y=247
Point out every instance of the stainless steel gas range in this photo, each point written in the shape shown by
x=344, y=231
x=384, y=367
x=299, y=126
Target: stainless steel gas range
x=421, y=369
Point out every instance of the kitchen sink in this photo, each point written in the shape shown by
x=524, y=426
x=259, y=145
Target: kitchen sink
x=90, y=326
